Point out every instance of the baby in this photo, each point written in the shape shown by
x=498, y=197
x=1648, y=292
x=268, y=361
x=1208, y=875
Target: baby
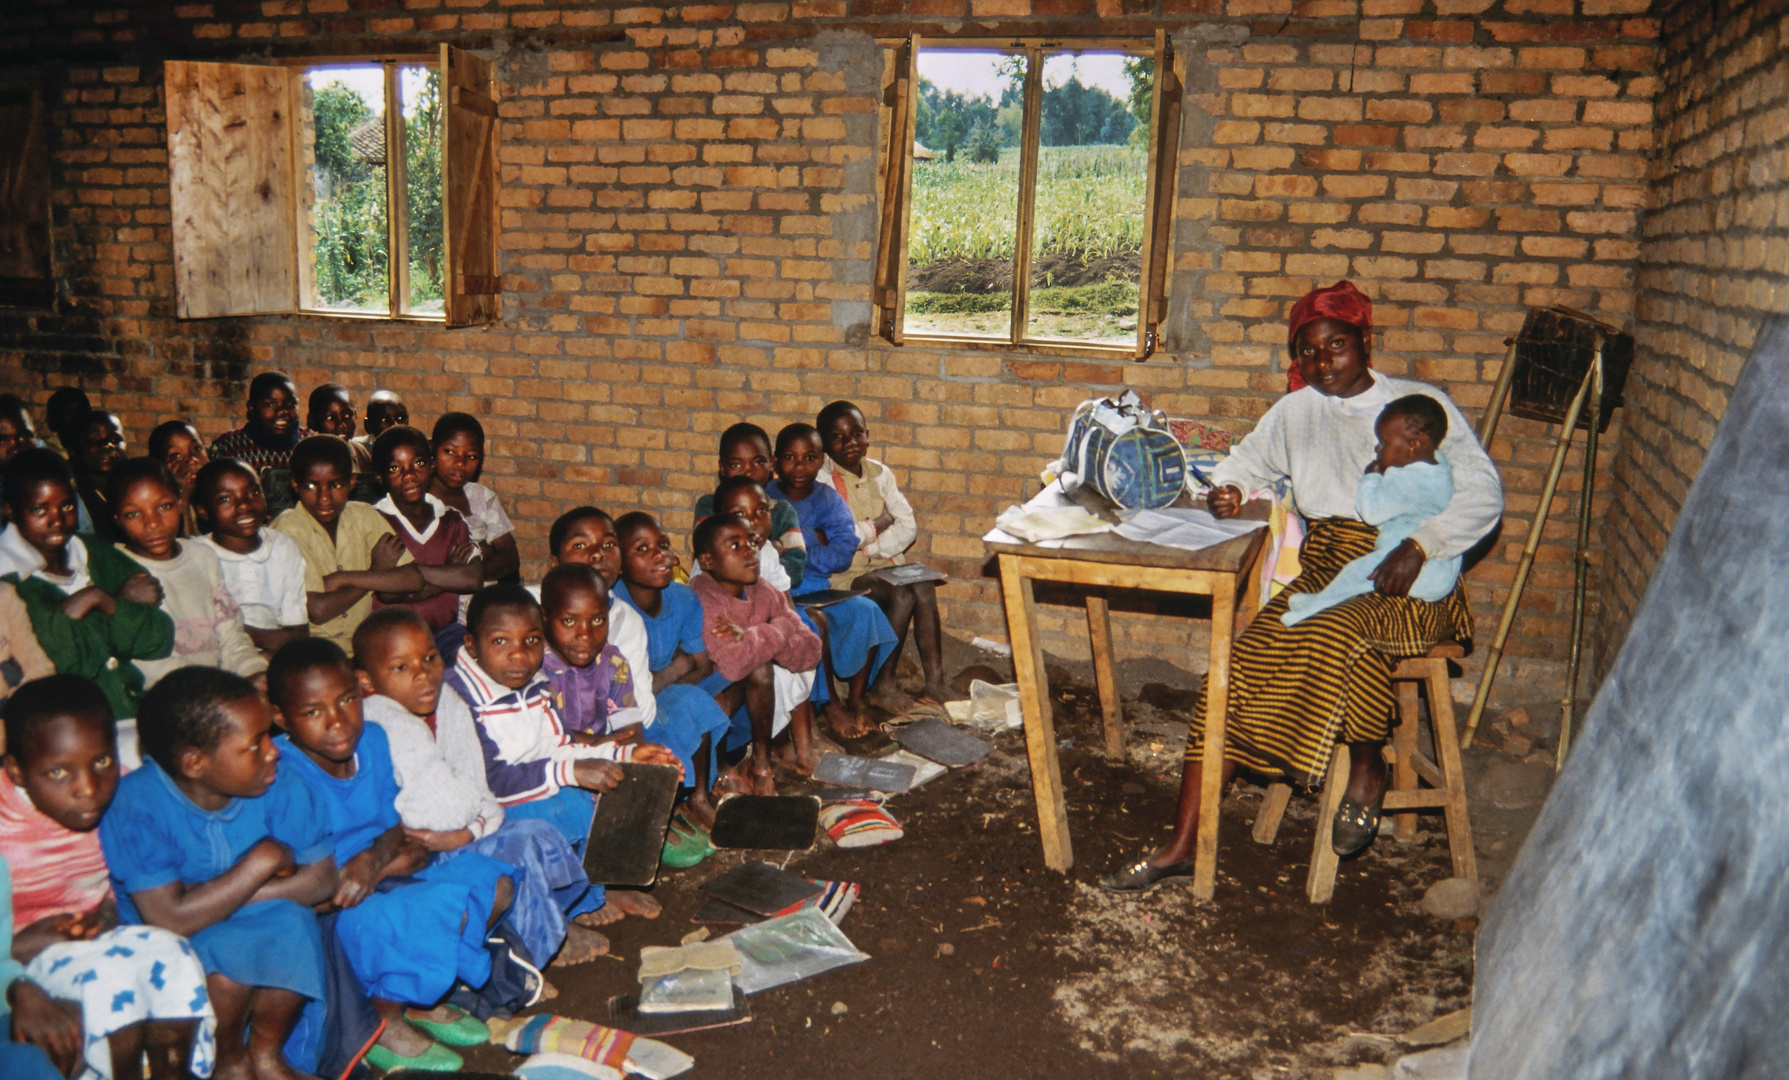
x=133, y=987
x=1408, y=483
x=750, y=628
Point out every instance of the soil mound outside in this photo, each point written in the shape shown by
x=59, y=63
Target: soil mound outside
x=976, y=276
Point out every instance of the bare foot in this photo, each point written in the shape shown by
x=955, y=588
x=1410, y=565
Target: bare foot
x=845, y=723
x=548, y=991
x=601, y=917
x=700, y=810
x=728, y=782
x=889, y=697
x=273, y=1066
x=940, y=693
x=790, y=757
x=635, y=903
x=763, y=780
x=581, y=946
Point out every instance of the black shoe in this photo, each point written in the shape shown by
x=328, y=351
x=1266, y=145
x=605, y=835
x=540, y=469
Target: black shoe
x=1140, y=877
x=1355, y=826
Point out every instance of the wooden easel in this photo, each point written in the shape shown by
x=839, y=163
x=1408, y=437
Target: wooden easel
x=1591, y=389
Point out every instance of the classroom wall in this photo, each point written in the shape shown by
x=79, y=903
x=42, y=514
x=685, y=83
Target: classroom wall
x=689, y=212
x=1712, y=258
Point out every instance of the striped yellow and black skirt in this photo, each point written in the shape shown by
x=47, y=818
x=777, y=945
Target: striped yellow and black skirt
x=1295, y=691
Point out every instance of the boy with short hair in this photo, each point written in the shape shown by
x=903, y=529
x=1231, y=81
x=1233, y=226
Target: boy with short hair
x=96, y=445
x=265, y=443
x=459, y=443
x=886, y=527
x=745, y=451
x=65, y=405
x=350, y=551
x=750, y=628
x=591, y=680
x=132, y=987
x=177, y=445
x=263, y=569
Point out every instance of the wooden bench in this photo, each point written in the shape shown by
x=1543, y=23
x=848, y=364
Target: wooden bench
x=1409, y=770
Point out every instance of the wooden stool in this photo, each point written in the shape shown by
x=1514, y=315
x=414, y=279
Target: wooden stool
x=1448, y=784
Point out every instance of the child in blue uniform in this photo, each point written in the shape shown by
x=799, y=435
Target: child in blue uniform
x=859, y=636
x=212, y=840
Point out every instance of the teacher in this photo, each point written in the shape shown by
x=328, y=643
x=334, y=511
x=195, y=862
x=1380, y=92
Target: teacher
x=1295, y=691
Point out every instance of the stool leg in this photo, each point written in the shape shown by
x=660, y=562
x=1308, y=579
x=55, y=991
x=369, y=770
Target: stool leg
x=1447, y=749
x=1273, y=808
x=1321, y=884
x=1403, y=747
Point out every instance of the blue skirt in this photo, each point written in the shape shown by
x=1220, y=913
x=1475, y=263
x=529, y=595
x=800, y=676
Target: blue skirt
x=857, y=634
x=273, y=943
x=418, y=935
x=685, y=714
x=570, y=811
x=551, y=882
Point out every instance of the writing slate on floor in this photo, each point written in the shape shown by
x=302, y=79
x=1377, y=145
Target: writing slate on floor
x=933, y=738
x=766, y=822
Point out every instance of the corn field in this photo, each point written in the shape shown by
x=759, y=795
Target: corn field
x=1089, y=202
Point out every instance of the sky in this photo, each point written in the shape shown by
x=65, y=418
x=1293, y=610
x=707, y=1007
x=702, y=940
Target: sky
x=369, y=81
x=972, y=74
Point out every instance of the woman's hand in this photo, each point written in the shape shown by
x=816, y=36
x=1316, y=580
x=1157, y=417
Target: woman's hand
x=1224, y=502
x=1398, y=572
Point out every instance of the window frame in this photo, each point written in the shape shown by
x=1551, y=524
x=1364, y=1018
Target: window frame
x=895, y=192
x=236, y=163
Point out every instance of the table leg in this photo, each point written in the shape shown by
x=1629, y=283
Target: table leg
x=1034, y=699
x=1211, y=764
x=1111, y=706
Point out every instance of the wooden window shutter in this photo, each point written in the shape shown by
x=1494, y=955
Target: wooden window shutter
x=230, y=153
x=1164, y=180
x=901, y=106
x=469, y=190
x=25, y=275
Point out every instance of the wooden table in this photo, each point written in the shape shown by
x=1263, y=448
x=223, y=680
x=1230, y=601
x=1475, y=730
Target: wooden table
x=1227, y=573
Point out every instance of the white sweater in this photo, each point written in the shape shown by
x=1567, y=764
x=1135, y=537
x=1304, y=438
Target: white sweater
x=1324, y=445
x=441, y=775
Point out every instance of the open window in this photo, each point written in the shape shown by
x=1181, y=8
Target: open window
x=1027, y=193
x=358, y=189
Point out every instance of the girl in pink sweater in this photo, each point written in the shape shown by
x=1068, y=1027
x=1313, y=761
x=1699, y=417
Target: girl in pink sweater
x=748, y=626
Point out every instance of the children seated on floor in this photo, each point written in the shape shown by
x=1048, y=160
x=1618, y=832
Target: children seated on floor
x=411, y=927
x=885, y=528
x=350, y=551
x=208, y=628
x=533, y=767
x=1409, y=482
x=262, y=568
x=750, y=628
x=177, y=445
x=674, y=714
x=93, y=610
x=745, y=497
x=435, y=534
x=745, y=451
x=65, y=405
x=96, y=446
x=443, y=799
x=459, y=443
x=123, y=989
x=677, y=655
x=265, y=443
x=384, y=409
x=592, y=682
x=330, y=411
x=858, y=635
x=213, y=840
x=16, y=430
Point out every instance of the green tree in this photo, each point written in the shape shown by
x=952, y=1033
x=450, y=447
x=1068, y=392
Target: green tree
x=336, y=111
x=422, y=164
x=984, y=145
x=1075, y=114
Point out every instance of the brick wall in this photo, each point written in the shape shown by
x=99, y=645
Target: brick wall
x=1711, y=267
x=689, y=212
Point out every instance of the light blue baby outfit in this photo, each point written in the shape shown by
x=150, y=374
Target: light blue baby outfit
x=1397, y=501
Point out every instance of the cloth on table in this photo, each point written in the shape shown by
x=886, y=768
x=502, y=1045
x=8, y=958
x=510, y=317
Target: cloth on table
x=1397, y=503
x=1295, y=691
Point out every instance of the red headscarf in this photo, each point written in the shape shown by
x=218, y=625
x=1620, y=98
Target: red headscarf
x=1342, y=302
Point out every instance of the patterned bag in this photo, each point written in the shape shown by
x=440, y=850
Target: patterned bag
x=1123, y=451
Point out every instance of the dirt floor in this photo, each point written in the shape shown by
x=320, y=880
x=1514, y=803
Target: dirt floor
x=984, y=964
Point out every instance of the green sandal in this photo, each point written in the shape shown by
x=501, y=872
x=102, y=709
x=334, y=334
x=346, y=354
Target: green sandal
x=463, y=1030
x=436, y=1058
x=685, y=844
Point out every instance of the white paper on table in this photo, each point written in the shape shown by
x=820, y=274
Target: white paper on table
x=1186, y=528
